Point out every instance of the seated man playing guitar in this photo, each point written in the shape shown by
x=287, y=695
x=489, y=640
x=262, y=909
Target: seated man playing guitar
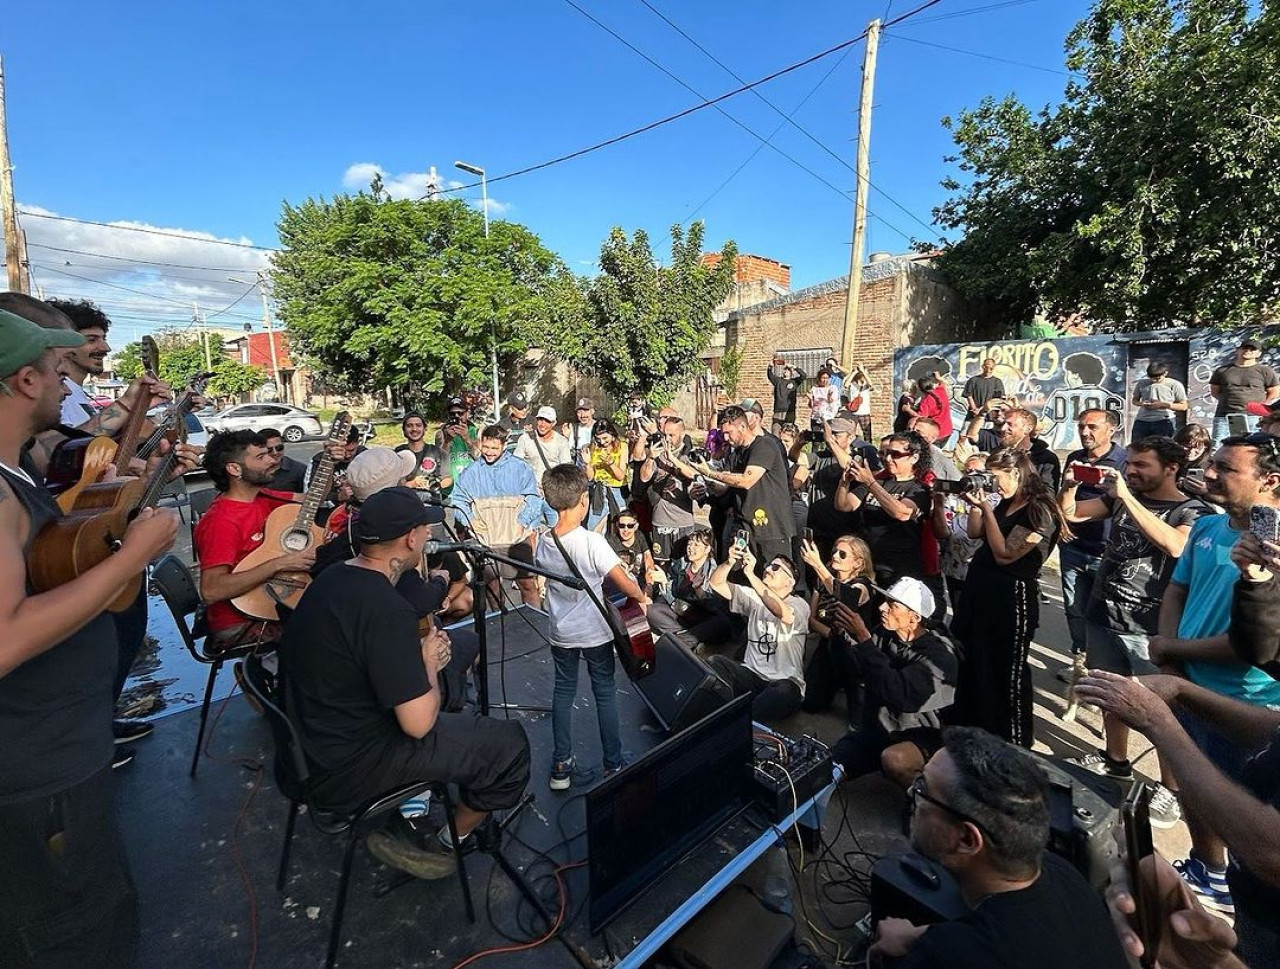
x=240, y=466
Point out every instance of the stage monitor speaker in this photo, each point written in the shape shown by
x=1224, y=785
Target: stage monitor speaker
x=1083, y=809
x=682, y=689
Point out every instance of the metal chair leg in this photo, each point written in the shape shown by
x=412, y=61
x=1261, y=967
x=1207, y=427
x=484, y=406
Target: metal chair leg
x=204, y=713
x=340, y=903
x=288, y=845
x=463, y=880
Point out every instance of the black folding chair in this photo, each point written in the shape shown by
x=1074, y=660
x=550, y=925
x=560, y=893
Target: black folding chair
x=198, y=503
x=293, y=778
x=177, y=586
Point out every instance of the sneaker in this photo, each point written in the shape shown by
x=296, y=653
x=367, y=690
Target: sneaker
x=429, y=861
x=1100, y=762
x=610, y=771
x=120, y=758
x=1165, y=809
x=562, y=775
x=1209, y=886
x=127, y=731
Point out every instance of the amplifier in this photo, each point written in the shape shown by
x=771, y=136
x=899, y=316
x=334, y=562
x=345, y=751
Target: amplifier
x=1083, y=808
x=788, y=772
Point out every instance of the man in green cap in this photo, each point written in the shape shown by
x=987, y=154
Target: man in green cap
x=67, y=896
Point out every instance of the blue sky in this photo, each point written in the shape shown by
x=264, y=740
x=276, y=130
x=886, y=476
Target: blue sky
x=201, y=119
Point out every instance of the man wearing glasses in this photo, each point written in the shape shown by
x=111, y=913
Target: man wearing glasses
x=291, y=475
x=1244, y=381
x=980, y=809
x=772, y=669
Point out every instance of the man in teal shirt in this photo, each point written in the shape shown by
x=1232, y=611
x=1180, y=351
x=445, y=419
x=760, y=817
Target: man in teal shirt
x=1195, y=615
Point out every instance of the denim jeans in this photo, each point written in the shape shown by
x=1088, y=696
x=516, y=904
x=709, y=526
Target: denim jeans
x=1078, y=572
x=600, y=670
x=1221, y=429
x=1154, y=428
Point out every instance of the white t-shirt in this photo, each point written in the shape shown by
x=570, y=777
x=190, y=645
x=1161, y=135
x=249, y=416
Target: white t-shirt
x=576, y=623
x=77, y=407
x=775, y=650
x=556, y=450
x=824, y=401
x=861, y=390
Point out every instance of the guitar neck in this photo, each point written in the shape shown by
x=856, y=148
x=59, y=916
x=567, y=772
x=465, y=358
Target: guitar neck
x=127, y=445
x=159, y=478
x=177, y=412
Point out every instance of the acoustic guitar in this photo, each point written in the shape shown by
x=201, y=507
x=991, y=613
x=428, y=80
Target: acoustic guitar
x=290, y=528
x=81, y=461
x=68, y=547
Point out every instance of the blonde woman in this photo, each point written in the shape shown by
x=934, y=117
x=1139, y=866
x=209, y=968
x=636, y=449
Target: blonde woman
x=845, y=580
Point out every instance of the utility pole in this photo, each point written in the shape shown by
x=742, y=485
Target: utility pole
x=850, y=334
x=269, y=324
x=12, y=238
x=204, y=337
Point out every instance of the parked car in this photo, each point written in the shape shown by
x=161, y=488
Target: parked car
x=197, y=433
x=293, y=423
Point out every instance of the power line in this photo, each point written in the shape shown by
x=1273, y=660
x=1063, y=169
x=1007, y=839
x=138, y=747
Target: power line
x=989, y=57
x=986, y=8
x=788, y=119
x=232, y=303
x=127, y=289
x=150, y=231
x=147, y=262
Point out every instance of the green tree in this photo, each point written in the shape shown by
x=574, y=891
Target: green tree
x=410, y=295
x=182, y=358
x=1151, y=195
x=638, y=325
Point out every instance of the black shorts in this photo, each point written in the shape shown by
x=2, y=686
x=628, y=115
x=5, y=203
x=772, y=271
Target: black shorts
x=66, y=897
x=858, y=751
x=487, y=759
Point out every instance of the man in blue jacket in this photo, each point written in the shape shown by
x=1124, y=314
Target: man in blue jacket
x=496, y=500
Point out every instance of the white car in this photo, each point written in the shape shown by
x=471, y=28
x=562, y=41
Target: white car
x=293, y=423
x=197, y=434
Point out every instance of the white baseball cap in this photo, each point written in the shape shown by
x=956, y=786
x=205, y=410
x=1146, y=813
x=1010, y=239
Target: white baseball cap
x=546, y=414
x=377, y=468
x=913, y=594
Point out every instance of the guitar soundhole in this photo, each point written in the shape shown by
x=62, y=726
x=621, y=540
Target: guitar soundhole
x=295, y=540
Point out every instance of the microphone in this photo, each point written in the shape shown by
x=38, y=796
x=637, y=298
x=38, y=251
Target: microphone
x=436, y=548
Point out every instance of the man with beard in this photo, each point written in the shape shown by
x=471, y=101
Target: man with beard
x=67, y=897
x=1018, y=431
x=432, y=471
x=92, y=324
x=980, y=809
x=667, y=489
x=241, y=468
x=1150, y=521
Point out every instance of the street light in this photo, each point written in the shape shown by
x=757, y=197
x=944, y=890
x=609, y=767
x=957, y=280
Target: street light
x=484, y=195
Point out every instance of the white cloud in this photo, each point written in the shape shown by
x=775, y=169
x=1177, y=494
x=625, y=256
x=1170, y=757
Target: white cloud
x=120, y=270
x=413, y=185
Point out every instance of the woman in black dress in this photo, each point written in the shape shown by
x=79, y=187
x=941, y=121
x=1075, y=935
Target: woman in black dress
x=849, y=580
x=1000, y=608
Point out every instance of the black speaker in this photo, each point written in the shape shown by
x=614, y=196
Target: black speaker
x=682, y=689
x=1083, y=809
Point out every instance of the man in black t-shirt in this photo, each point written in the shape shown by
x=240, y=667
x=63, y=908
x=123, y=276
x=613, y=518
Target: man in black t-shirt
x=893, y=506
x=364, y=687
x=518, y=420
x=763, y=487
x=980, y=810
x=827, y=461
x=786, y=383
x=1244, y=381
x=981, y=388
x=432, y=473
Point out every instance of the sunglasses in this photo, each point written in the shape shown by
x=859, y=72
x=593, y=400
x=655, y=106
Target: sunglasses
x=895, y=455
x=627, y=525
x=919, y=790
x=778, y=566
x=457, y=413
x=275, y=448
x=841, y=553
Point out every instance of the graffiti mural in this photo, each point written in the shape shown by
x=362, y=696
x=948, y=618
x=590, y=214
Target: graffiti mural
x=1054, y=379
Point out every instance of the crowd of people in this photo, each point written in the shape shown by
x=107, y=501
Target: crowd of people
x=897, y=577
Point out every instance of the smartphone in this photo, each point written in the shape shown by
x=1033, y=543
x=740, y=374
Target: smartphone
x=1134, y=815
x=1237, y=424
x=808, y=534
x=1087, y=474
x=1196, y=474
x=1264, y=522
x=741, y=540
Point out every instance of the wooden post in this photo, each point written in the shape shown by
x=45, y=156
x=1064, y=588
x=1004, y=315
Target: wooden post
x=12, y=238
x=850, y=333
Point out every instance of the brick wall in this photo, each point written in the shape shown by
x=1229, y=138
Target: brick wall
x=750, y=268
x=819, y=321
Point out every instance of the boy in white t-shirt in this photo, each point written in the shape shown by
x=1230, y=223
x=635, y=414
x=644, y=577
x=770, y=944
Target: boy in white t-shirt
x=577, y=627
x=772, y=670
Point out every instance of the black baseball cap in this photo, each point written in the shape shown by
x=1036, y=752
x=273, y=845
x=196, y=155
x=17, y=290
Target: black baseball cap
x=518, y=400
x=1250, y=344
x=393, y=512
x=457, y=402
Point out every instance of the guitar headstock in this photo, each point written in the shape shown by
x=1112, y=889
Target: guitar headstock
x=149, y=355
x=340, y=427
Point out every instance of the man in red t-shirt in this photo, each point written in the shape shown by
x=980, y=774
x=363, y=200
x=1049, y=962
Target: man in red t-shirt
x=240, y=466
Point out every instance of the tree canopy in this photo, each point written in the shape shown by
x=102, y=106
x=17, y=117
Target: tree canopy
x=638, y=325
x=410, y=295
x=1150, y=196
x=182, y=357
